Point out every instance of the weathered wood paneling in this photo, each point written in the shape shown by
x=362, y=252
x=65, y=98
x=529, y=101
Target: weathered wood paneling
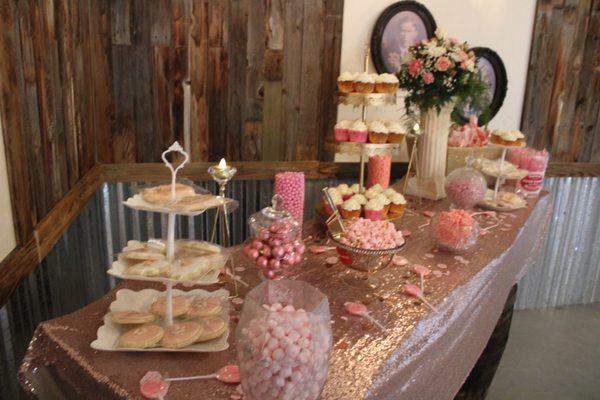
x=562, y=100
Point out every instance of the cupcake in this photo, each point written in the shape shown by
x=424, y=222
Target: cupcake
x=340, y=130
x=345, y=191
x=383, y=199
x=396, y=132
x=355, y=188
x=365, y=83
x=397, y=205
x=378, y=133
x=350, y=209
x=345, y=82
x=389, y=192
x=358, y=132
x=377, y=187
x=371, y=193
x=374, y=210
x=336, y=196
x=386, y=83
x=508, y=138
x=362, y=200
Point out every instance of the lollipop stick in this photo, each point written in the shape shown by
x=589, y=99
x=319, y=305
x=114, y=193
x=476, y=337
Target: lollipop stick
x=191, y=378
x=428, y=304
x=422, y=283
x=373, y=320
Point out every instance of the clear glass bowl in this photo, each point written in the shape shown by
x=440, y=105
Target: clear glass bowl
x=465, y=187
x=454, y=231
x=284, y=341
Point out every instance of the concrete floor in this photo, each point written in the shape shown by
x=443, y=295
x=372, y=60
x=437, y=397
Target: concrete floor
x=551, y=354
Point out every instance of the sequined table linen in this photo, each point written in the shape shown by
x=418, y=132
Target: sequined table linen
x=423, y=355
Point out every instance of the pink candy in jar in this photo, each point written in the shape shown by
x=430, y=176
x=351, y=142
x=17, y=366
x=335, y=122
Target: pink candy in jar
x=465, y=187
x=378, y=170
x=276, y=243
x=290, y=186
x=535, y=162
x=455, y=230
x=283, y=341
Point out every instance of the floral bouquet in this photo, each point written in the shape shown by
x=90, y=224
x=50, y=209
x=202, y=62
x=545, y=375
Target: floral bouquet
x=439, y=71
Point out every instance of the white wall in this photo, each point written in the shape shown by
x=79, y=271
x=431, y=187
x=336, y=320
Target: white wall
x=7, y=232
x=505, y=26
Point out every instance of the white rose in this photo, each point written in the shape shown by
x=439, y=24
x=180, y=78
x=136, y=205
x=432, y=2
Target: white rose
x=436, y=51
x=455, y=57
x=439, y=32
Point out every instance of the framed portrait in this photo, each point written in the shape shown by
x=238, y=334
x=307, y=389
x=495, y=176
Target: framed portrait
x=493, y=73
x=399, y=26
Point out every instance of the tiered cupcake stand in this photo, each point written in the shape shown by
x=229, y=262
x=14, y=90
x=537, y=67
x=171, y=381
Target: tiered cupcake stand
x=108, y=334
x=364, y=101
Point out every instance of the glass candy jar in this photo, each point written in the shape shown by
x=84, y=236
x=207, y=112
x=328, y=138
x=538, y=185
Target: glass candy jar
x=455, y=230
x=465, y=187
x=284, y=341
x=276, y=242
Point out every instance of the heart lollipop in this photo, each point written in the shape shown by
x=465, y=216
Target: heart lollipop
x=423, y=273
x=415, y=291
x=153, y=386
x=361, y=310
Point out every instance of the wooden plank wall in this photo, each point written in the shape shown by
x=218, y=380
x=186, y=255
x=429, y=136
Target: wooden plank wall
x=52, y=105
x=562, y=102
x=259, y=71
x=92, y=81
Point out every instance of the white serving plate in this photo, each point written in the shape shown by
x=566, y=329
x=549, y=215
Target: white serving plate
x=136, y=202
x=107, y=336
x=119, y=270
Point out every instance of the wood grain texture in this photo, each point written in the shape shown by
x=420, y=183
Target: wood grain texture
x=562, y=99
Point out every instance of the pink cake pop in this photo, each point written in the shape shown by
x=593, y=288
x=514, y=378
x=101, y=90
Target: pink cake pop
x=415, y=291
x=361, y=310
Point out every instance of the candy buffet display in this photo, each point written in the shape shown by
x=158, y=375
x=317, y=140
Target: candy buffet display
x=275, y=242
x=137, y=321
x=283, y=341
x=454, y=230
x=465, y=187
x=534, y=163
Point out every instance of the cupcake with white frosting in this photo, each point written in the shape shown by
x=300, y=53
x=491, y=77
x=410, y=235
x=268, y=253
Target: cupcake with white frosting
x=374, y=210
x=508, y=138
x=345, y=191
x=386, y=83
x=365, y=83
x=340, y=130
x=397, y=205
x=346, y=82
x=336, y=196
x=383, y=199
x=350, y=209
x=396, y=132
x=355, y=188
x=378, y=132
x=358, y=132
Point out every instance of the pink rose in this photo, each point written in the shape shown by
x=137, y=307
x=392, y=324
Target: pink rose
x=442, y=63
x=462, y=55
x=453, y=40
x=428, y=78
x=414, y=67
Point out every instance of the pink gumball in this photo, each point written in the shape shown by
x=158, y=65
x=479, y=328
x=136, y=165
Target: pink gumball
x=275, y=242
x=278, y=252
x=297, y=258
x=253, y=254
x=257, y=244
x=263, y=234
x=288, y=248
x=275, y=264
x=262, y=262
x=266, y=251
x=300, y=248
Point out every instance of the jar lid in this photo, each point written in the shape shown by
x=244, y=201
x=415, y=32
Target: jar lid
x=269, y=215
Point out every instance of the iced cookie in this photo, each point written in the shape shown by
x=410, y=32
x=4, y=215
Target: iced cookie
x=142, y=338
x=162, y=194
x=213, y=328
x=200, y=247
x=142, y=254
x=150, y=268
x=131, y=317
x=189, y=269
x=197, y=202
x=205, y=307
x=181, y=305
x=181, y=334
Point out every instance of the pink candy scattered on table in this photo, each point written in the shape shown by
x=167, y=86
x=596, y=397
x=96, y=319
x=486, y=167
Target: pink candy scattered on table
x=379, y=170
x=275, y=249
x=284, y=356
x=366, y=234
x=290, y=186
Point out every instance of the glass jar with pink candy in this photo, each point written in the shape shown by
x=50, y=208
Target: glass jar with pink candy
x=465, y=187
x=275, y=242
x=455, y=231
x=284, y=341
x=535, y=163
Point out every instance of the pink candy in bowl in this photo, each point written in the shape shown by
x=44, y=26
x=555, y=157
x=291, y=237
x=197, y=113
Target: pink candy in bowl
x=283, y=341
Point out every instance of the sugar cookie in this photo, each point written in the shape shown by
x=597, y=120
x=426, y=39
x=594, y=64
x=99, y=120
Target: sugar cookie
x=213, y=328
x=203, y=248
x=189, y=269
x=197, y=202
x=205, y=307
x=150, y=268
x=181, y=305
x=162, y=194
x=142, y=337
x=131, y=317
x=181, y=334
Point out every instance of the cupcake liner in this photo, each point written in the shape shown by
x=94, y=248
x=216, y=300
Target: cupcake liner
x=357, y=136
x=345, y=86
x=386, y=87
x=397, y=210
x=395, y=137
x=341, y=135
x=378, y=137
x=373, y=215
x=349, y=214
x=364, y=87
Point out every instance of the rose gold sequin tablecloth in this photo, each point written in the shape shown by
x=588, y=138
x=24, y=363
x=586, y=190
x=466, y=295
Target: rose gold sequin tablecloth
x=423, y=355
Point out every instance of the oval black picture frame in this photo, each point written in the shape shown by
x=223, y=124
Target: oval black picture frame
x=384, y=18
x=499, y=91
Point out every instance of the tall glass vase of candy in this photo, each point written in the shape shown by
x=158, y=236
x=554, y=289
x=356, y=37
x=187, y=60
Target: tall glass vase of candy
x=168, y=260
x=275, y=244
